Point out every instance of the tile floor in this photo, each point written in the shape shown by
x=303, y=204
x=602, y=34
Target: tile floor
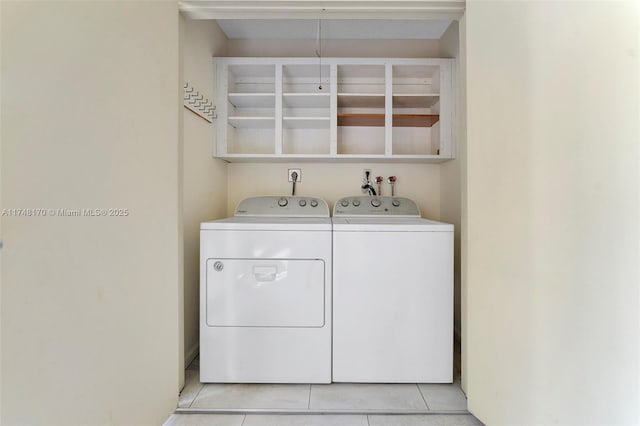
x=322, y=420
x=336, y=404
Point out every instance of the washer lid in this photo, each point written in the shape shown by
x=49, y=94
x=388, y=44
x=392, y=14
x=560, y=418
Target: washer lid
x=267, y=223
x=389, y=224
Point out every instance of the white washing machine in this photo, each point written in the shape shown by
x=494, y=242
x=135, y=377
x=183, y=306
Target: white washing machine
x=265, y=293
x=392, y=293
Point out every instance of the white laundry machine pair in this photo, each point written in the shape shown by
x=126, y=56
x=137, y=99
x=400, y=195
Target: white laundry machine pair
x=270, y=314
x=265, y=293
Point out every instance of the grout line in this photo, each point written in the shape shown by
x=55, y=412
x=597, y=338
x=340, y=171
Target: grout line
x=423, y=398
x=243, y=420
x=309, y=403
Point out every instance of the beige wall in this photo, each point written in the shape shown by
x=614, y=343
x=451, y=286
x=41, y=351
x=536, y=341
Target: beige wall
x=205, y=178
x=553, y=213
x=461, y=155
x=331, y=181
x=90, y=312
x=450, y=171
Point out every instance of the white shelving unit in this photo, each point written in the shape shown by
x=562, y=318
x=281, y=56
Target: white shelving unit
x=342, y=109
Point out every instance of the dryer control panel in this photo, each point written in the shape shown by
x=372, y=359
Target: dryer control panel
x=283, y=206
x=372, y=206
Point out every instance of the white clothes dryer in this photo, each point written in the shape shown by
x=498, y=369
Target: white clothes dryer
x=265, y=293
x=392, y=293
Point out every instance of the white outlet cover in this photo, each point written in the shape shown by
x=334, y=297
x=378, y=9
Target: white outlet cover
x=299, y=171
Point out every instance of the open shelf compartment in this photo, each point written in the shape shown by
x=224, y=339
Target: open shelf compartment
x=416, y=110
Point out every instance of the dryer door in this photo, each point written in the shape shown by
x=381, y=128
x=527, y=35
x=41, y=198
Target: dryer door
x=265, y=292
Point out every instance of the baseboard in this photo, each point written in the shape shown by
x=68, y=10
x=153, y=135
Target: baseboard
x=191, y=354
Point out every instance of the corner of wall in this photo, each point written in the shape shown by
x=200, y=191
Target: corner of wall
x=204, y=184
x=181, y=360
x=451, y=174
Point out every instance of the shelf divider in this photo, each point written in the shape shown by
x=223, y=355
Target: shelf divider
x=333, y=110
x=388, y=109
x=278, y=118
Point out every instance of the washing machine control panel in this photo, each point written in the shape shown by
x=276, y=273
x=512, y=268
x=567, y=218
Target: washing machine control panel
x=283, y=206
x=372, y=206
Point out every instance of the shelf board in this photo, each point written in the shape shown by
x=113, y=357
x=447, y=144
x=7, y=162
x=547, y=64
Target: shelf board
x=253, y=100
x=305, y=122
x=361, y=100
x=415, y=100
x=377, y=120
x=252, y=122
x=306, y=100
x=332, y=158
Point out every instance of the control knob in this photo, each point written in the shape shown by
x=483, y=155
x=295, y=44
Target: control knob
x=395, y=203
x=302, y=203
x=283, y=202
x=314, y=203
x=356, y=203
x=375, y=202
x=344, y=203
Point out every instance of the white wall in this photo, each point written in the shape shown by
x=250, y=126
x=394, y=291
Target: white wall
x=205, y=178
x=553, y=213
x=336, y=48
x=90, y=314
x=329, y=181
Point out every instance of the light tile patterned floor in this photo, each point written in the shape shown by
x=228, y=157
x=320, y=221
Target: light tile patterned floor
x=424, y=420
x=252, y=396
x=322, y=420
x=443, y=397
x=205, y=420
x=358, y=396
x=306, y=420
x=192, y=387
x=428, y=399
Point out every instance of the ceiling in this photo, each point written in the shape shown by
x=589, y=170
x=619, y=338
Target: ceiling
x=307, y=29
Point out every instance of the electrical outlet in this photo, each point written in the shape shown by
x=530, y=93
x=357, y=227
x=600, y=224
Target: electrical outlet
x=298, y=171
